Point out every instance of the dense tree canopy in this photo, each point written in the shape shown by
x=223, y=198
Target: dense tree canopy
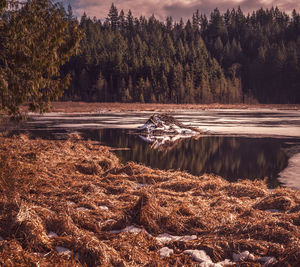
x=144, y=60
x=228, y=57
x=37, y=37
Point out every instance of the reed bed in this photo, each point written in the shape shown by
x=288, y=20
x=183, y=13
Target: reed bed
x=72, y=203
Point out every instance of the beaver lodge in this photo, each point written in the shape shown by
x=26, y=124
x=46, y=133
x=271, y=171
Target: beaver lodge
x=163, y=130
x=72, y=203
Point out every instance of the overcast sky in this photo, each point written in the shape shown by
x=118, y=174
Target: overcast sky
x=174, y=8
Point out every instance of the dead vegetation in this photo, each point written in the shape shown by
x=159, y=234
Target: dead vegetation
x=80, y=191
x=70, y=106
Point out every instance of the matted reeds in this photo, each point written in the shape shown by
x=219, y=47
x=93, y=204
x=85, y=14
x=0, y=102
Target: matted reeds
x=81, y=192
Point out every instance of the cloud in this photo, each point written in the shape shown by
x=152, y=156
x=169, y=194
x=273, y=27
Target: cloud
x=174, y=8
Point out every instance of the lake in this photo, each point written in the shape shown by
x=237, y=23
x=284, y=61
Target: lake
x=237, y=144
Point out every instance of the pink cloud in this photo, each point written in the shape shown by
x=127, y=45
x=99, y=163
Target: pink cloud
x=174, y=8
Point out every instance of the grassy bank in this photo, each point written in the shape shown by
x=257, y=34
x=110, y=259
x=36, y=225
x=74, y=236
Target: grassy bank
x=68, y=202
x=98, y=107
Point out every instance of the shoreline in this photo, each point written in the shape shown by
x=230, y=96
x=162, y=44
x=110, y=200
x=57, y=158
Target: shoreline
x=71, y=107
x=62, y=199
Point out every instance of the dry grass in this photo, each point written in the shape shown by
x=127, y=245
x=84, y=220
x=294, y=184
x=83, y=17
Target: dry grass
x=64, y=187
x=70, y=106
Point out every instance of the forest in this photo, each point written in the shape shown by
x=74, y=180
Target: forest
x=226, y=58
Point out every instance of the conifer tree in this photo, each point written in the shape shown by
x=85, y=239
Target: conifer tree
x=36, y=39
x=113, y=17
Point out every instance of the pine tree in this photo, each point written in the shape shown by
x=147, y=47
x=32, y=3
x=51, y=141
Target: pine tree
x=113, y=17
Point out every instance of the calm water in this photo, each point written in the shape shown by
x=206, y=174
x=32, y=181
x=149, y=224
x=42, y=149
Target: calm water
x=231, y=157
x=241, y=143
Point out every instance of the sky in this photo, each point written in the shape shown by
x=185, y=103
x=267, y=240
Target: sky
x=175, y=8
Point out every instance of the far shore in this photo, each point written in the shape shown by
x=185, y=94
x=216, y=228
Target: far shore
x=71, y=107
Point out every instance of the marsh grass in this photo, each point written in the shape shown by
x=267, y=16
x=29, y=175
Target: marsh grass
x=79, y=190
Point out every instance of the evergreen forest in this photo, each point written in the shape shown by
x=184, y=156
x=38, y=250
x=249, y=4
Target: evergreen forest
x=228, y=57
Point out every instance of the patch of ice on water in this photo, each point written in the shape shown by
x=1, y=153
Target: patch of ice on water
x=52, y=234
x=165, y=238
x=165, y=252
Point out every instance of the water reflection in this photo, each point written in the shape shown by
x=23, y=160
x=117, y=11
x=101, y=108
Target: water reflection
x=231, y=157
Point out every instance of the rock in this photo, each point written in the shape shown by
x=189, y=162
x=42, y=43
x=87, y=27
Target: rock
x=52, y=234
x=241, y=256
x=165, y=252
x=198, y=255
x=63, y=251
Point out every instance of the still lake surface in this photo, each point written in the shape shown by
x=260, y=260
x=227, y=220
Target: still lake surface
x=238, y=144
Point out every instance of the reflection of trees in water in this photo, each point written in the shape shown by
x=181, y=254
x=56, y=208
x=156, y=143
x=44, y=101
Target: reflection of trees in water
x=230, y=157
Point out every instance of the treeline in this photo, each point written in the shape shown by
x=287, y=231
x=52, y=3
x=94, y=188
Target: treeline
x=227, y=58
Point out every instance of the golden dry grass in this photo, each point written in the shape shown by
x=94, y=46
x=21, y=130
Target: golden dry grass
x=64, y=187
x=70, y=106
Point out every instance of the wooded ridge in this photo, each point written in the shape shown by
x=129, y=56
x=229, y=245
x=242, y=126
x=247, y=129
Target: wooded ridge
x=227, y=58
